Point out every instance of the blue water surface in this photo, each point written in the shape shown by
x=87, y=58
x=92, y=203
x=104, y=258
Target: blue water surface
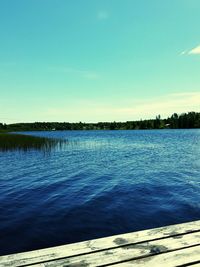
x=100, y=183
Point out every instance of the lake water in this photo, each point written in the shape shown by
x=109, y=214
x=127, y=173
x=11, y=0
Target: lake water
x=100, y=183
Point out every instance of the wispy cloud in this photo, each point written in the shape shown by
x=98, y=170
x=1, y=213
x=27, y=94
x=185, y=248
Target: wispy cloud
x=86, y=74
x=92, y=111
x=166, y=105
x=90, y=75
x=103, y=15
x=184, y=53
x=194, y=51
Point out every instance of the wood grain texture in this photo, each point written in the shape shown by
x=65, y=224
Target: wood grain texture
x=110, y=250
x=128, y=253
x=171, y=259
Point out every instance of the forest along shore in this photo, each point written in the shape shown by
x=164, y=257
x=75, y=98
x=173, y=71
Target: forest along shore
x=183, y=121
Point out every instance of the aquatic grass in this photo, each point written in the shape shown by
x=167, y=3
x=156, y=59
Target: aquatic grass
x=20, y=142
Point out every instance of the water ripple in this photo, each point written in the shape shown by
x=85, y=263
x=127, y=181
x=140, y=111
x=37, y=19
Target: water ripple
x=99, y=184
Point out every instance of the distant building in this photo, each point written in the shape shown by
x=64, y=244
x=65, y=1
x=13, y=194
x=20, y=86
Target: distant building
x=167, y=125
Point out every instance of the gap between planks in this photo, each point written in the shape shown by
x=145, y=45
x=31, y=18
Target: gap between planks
x=100, y=245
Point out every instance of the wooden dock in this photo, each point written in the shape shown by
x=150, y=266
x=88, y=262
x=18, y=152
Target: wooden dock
x=175, y=245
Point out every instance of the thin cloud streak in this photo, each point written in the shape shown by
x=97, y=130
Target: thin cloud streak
x=103, y=15
x=194, y=51
x=94, y=112
x=86, y=74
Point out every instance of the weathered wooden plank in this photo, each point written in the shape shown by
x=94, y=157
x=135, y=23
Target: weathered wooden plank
x=96, y=245
x=171, y=259
x=125, y=253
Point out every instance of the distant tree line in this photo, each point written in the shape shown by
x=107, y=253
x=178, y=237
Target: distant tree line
x=182, y=121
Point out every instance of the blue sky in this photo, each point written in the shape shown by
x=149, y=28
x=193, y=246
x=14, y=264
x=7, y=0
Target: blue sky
x=98, y=60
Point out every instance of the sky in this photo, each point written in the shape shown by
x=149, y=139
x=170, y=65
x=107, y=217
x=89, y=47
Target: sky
x=98, y=60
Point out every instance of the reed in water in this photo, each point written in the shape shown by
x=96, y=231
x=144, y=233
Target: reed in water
x=20, y=142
